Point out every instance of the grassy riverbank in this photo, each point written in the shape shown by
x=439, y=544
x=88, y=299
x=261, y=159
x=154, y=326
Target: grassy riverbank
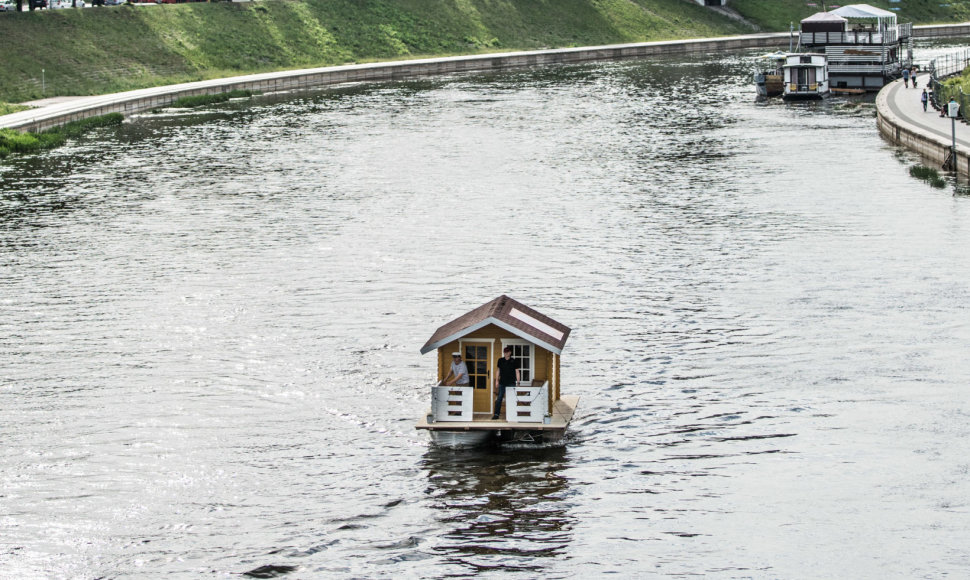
x=110, y=49
x=777, y=15
x=103, y=50
x=16, y=142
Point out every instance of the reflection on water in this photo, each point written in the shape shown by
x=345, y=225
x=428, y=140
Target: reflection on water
x=210, y=321
x=504, y=509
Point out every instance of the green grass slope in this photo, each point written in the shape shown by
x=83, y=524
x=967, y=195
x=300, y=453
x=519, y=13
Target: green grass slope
x=776, y=15
x=102, y=50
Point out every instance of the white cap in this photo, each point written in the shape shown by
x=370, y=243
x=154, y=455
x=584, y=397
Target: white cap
x=456, y=354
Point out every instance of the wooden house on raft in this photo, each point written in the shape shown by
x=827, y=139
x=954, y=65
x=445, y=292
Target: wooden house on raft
x=534, y=410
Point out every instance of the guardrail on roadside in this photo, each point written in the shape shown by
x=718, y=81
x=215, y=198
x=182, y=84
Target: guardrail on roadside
x=947, y=66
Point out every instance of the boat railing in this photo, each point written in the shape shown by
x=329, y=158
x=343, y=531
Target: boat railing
x=889, y=35
x=527, y=403
x=853, y=67
x=454, y=403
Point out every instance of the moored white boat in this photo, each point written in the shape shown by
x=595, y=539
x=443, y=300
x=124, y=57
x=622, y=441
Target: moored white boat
x=864, y=46
x=769, y=78
x=806, y=77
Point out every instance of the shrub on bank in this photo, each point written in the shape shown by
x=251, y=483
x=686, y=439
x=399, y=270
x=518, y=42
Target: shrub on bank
x=12, y=141
x=955, y=85
x=927, y=174
x=202, y=100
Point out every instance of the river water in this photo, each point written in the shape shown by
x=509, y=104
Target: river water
x=210, y=323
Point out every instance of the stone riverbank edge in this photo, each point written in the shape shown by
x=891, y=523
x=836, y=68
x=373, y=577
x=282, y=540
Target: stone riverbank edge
x=933, y=148
x=137, y=101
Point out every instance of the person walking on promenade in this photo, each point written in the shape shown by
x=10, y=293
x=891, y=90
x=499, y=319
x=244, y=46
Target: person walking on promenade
x=924, y=98
x=906, y=77
x=507, y=376
x=912, y=75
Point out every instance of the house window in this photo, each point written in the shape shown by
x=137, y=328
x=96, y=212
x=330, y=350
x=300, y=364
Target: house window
x=524, y=353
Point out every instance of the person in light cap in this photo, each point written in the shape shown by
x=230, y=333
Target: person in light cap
x=459, y=372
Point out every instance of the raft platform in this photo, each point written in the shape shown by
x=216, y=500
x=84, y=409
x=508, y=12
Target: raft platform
x=482, y=427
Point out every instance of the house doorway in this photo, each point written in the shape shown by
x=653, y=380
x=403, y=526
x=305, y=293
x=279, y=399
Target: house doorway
x=478, y=359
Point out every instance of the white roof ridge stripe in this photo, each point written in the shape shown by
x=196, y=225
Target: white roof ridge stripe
x=535, y=323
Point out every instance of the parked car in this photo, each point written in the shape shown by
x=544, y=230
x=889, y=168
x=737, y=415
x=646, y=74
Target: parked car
x=37, y=4
x=66, y=4
x=8, y=6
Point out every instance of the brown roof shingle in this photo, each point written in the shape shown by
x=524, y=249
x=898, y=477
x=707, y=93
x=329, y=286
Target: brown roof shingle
x=507, y=313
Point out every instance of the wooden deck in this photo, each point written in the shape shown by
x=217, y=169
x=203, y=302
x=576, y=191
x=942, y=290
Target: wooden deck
x=562, y=414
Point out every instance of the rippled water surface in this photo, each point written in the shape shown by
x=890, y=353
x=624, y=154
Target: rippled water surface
x=210, y=322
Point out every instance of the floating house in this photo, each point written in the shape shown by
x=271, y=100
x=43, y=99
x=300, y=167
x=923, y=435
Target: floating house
x=864, y=46
x=533, y=411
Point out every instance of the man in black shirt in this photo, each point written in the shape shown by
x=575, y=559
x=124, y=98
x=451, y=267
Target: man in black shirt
x=507, y=376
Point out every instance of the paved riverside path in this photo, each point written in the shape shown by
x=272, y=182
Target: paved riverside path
x=902, y=106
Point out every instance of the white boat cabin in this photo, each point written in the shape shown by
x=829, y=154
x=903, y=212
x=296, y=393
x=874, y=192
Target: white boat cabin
x=481, y=336
x=806, y=77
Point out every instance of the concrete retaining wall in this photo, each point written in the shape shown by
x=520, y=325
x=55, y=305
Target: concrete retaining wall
x=933, y=150
x=147, y=99
x=931, y=147
x=942, y=31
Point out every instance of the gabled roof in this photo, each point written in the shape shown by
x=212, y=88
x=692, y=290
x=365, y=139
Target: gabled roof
x=862, y=11
x=508, y=314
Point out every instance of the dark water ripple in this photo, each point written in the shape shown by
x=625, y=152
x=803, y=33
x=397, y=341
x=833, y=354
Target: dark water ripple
x=209, y=325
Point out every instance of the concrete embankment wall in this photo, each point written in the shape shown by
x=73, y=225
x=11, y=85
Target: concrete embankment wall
x=147, y=99
x=934, y=148
x=942, y=30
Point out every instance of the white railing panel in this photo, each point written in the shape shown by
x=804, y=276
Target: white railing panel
x=452, y=403
x=526, y=404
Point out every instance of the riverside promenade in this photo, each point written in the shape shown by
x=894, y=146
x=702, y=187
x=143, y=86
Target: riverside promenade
x=901, y=119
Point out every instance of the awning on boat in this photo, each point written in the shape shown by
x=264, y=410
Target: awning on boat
x=823, y=22
x=824, y=17
x=862, y=11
